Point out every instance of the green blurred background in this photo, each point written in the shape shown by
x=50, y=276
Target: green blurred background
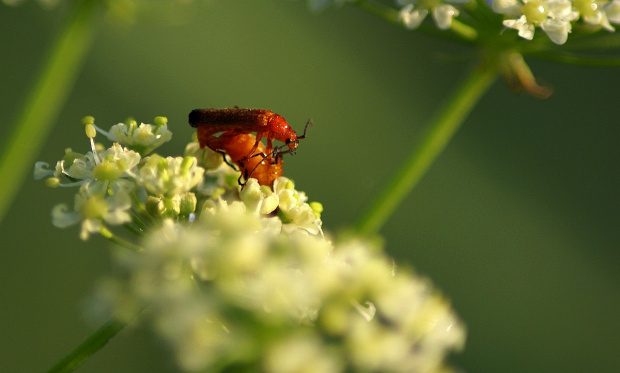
x=517, y=222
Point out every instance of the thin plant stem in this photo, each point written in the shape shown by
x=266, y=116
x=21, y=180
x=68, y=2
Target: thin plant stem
x=46, y=98
x=88, y=347
x=438, y=134
x=105, y=232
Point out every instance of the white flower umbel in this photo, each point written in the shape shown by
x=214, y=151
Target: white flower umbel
x=554, y=17
x=232, y=288
x=413, y=12
x=233, y=276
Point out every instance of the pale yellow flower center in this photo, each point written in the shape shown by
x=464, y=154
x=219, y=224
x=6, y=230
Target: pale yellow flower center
x=587, y=8
x=534, y=12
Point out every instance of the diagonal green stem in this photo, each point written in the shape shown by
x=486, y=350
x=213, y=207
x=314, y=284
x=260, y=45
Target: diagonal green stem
x=88, y=347
x=438, y=134
x=105, y=232
x=45, y=100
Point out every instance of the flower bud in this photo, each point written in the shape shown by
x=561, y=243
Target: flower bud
x=188, y=204
x=155, y=206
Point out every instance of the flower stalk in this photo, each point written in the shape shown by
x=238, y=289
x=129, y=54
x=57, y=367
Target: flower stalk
x=106, y=233
x=88, y=347
x=46, y=99
x=437, y=136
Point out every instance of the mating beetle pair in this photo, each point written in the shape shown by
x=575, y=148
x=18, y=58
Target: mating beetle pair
x=236, y=140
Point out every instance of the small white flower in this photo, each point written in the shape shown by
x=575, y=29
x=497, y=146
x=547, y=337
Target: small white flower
x=507, y=7
x=443, y=15
x=612, y=11
x=293, y=209
x=143, y=138
x=93, y=207
x=412, y=18
x=552, y=16
x=207, y=158
x=597, y=12
x=170, y=176
x=257, y=198
x=413, y=12
x=556, y=30
x=525, y=28
x=112, y=169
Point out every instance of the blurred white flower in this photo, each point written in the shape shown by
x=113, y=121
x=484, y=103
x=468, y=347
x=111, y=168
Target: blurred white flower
x=230, y=288
x=413, y=12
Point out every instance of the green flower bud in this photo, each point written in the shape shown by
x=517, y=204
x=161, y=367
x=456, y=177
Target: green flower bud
x=70, y=156
x=172, y=206
x=160, y=121
x=52, y=182
x=188, y=204
x=155, y=206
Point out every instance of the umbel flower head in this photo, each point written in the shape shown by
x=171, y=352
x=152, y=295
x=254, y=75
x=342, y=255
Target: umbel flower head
x=555, y=17
x=236, y=288
x=504, y=31
x=244, y=278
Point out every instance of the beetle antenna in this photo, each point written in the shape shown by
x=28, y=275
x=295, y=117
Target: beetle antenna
x=309, y=123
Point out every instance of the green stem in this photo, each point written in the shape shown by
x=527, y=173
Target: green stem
x=465, y=31
x=105, y=232
x=88, y=347
x=45, y=100
x=438, y=134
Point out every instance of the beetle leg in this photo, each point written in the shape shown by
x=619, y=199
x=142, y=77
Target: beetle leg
x=223, y=153
x=259, y=135
x=258, y=164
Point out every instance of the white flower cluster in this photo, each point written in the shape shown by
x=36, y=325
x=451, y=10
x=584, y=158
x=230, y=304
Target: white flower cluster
x=555, y=17
x=110, y=179
x=243, y=278
x=236, y=290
